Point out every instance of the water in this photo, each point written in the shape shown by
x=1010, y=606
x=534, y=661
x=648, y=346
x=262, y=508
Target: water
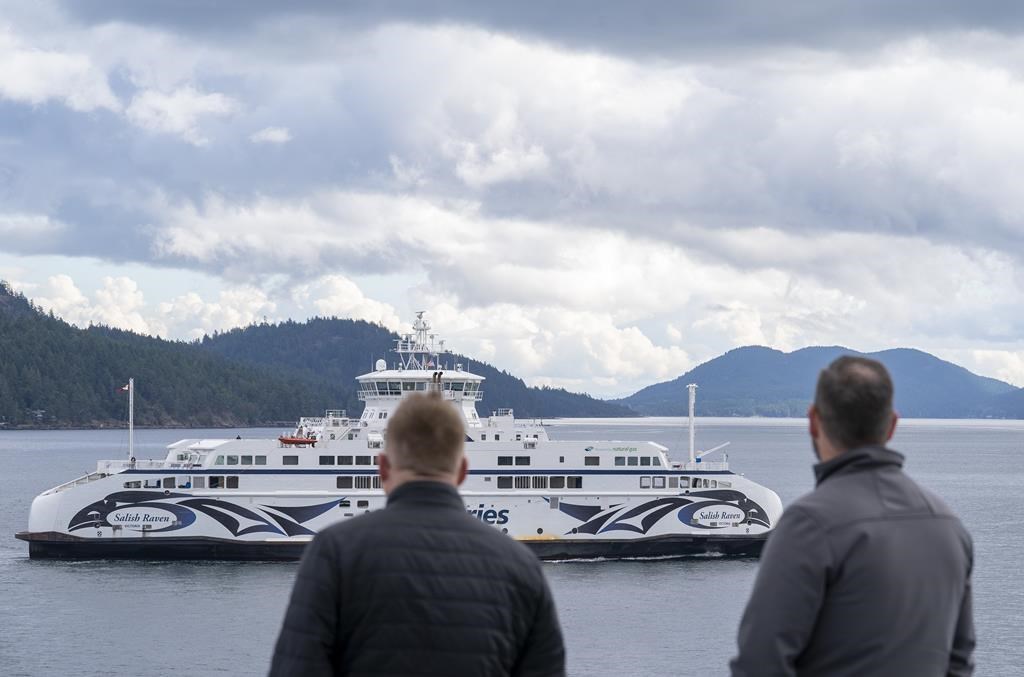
x=620, y=618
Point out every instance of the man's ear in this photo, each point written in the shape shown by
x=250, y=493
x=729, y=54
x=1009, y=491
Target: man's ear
x=892, y=426
x=463, y=471
x=813, y=424
x=383, y=466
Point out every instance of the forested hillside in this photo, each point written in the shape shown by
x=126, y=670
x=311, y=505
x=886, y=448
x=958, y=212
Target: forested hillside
x=54, y=374
x=333, y=352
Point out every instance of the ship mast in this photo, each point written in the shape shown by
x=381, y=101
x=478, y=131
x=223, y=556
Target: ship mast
x=693, y=401
x=419, y=350
x=131, y=418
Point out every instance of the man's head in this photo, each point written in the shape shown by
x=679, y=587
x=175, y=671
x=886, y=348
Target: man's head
x=852, y=407
x=425, y=441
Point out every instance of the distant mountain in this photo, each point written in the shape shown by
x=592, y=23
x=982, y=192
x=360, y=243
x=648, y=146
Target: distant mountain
x=55, y=375
x=758, y=381
x=332, y=352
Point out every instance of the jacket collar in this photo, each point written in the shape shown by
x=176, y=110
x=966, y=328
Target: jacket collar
x=426, y=492
x=861, y=458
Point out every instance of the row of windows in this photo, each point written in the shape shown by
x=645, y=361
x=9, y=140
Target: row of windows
x=373, y=482
x=658, y=482
x=359, y=482
x=246, y=459
x=348, y=460
x=539, y=482
x=637, y=460
x=398, y=387
x=519, y=460
x=197, y=482
x=519, y=437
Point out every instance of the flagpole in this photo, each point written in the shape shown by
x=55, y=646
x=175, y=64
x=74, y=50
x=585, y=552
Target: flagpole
x=131, y=419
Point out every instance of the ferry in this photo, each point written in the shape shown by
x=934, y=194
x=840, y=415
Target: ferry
x=265, y=499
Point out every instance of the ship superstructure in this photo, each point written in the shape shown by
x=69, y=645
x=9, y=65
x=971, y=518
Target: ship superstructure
x=267, y=498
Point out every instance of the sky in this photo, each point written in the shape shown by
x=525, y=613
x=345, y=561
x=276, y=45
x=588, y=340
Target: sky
x=591, y=195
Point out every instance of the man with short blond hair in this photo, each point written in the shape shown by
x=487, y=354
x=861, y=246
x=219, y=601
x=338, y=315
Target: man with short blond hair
x=419, y=587
x=869, y=574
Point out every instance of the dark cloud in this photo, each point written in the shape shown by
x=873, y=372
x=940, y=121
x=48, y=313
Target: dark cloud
x=649, y=27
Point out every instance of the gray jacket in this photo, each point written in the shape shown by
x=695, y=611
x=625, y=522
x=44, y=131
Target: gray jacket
x=869, y=574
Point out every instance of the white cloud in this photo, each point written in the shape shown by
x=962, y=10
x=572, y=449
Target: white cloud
x=178, y=112
x=190, y=316
x=338, y=296
x=29, y=74
x=118, y=303
x=275, y=135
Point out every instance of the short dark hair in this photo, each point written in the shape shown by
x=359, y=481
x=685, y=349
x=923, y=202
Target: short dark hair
x=426, y=435
x=854, y=401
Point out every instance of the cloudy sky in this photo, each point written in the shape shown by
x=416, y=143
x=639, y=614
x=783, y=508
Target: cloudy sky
x=590, y=195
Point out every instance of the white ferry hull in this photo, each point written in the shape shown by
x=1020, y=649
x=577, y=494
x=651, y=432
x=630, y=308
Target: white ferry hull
x=101, y=519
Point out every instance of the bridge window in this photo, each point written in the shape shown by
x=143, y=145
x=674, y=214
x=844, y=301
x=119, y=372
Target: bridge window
x=261, y=460
x=247, y=460
x=557, y=482
x=522, y=460
x=504, y=460
x=326, y=460
x=657, y=460
x=591, y=460
x=645, y=460
x=344, y=460
x=658, y=482
x=620, y=460
x=504, y=481
x=645, y=482
x=408, y=385
x=362, y=460
x=344, y=482
x=289, y=460
x=574, y=482
x=219, y=461
x=232, y=460
x=633, y=460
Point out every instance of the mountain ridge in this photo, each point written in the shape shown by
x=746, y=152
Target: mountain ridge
x=763, y=381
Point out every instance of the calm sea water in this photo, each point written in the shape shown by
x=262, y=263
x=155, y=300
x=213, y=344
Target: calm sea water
x=620, y=618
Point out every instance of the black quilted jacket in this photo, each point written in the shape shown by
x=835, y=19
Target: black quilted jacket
x=419, y=588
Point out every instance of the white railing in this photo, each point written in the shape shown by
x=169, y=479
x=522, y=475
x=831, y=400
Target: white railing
x=115, y=466
x=84, y=479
